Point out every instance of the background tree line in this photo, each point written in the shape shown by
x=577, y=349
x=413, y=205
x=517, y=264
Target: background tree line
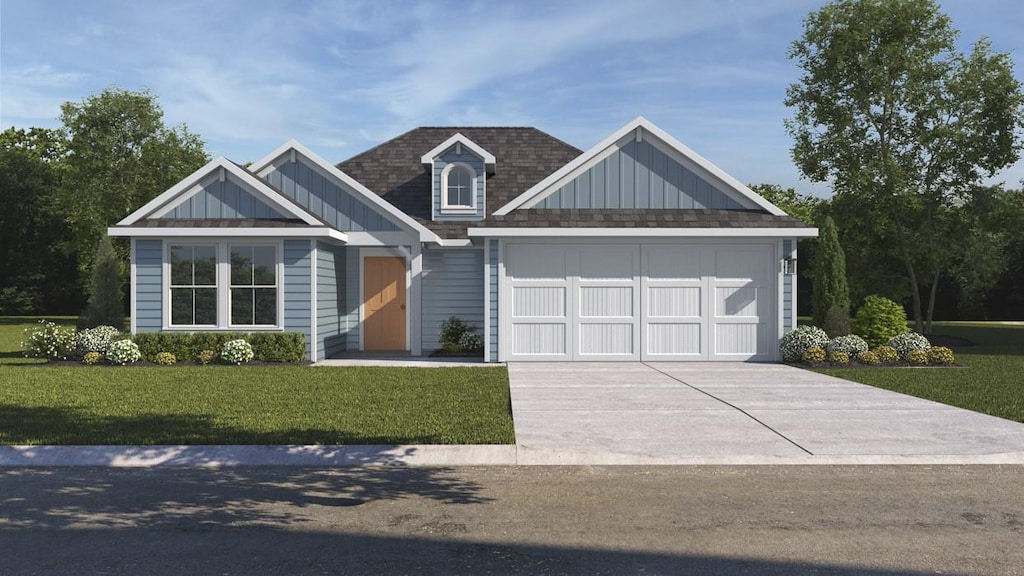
x=61, y=188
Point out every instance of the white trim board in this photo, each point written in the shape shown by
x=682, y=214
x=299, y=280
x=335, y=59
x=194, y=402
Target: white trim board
x=636, y=130
x=263, y=166
x=643, y=232
x=458, y=138
x=208, y=232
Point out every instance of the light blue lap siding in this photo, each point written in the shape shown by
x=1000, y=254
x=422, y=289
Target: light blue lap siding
x=639, y=176
x=298, y=289
x=492, y=272
x=330, y=296
x=788, y=318
x=473, y=161
x=453, y=285
x=322, y=197
x=223, y=200
x=149, y=269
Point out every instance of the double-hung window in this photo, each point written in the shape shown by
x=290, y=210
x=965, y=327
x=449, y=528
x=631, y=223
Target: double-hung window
x=224, y=285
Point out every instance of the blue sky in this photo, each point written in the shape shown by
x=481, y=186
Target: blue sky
x=341, y=77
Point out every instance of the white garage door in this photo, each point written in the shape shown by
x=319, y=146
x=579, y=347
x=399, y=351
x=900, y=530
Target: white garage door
x=638, y=302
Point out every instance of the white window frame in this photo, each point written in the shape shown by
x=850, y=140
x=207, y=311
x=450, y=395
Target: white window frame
x=169, y=286
x=223, y=284
x=448, y=208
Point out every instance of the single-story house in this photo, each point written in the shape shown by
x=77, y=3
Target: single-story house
x=637, y=249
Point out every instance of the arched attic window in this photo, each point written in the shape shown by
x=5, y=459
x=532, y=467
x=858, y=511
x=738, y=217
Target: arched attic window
x=459, y=184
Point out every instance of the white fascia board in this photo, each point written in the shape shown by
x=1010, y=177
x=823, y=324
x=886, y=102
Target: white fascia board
x=266, y=164
x=456, y=242
x=436, y=151
x=188, y=187
x=199, y=232
x=605, y=147
x=643, y=232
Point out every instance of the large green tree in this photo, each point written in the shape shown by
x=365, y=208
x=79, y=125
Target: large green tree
x=897, y=119
x=120, y=155
x=37, y=265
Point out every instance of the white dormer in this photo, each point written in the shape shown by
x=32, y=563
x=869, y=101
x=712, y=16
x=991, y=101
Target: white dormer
x=459, y=169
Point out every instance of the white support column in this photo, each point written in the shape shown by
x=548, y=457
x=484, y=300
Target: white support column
x=416, y=299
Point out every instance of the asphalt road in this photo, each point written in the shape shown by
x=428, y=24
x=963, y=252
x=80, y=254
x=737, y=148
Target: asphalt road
x=523, y=520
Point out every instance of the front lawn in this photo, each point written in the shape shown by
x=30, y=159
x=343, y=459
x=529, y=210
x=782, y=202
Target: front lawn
x=42, y=404
x=992, y=381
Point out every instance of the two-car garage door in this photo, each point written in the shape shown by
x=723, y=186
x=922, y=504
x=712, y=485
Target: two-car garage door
x=638, y=301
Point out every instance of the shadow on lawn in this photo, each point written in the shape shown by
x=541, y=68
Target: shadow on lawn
x=73, y=426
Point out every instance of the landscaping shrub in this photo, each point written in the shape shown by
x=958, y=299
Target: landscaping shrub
x=796, y=342
x=267, y=346
x=123, y=352
x=96, y=339
x=868, y=358
x=904, y=343
x=837, y=322
x=840, y=358
x=50, y=341
x=92, y=358
x=917, y=357
x=879, y=319
x=458, y=336
x=813, y=354
x=850, y=344
x=940, y=355
x=106, y=297
x=165, y=359
x=236, y=351
x=887, y=354
x=206, y=356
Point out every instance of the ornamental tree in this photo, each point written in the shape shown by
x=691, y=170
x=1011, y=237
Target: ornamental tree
x=893, y=115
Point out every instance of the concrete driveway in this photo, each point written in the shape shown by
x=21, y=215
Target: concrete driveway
x=726, y=413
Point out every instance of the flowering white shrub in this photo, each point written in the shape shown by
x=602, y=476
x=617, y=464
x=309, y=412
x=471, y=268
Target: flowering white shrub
x=49, y=341
x=851, y=344
x=96, y=339
x=904, y=343
x=800, y=339
x=123, y=352
x=236, y=351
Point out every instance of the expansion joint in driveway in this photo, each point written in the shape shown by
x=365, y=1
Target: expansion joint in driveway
x=733, y=406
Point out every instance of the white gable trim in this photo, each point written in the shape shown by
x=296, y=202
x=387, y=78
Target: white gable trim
x=458, y=138
x=636, y=130
x=643, y=232
x=263, y=166
x=217, y=167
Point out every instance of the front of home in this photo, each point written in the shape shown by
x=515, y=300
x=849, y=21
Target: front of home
x=637, y=249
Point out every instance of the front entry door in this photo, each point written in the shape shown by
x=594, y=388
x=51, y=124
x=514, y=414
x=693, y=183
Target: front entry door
x=384, y=305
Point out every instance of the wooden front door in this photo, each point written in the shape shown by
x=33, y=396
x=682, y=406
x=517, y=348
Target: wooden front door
x=384, y=305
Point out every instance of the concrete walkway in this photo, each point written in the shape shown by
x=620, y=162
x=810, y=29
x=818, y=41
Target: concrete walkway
x=738, y=413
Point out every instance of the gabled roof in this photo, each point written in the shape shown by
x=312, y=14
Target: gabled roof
x=458, y=138
x=191, y=185
x=638, y=129
x=292, y=147
x=395, y=171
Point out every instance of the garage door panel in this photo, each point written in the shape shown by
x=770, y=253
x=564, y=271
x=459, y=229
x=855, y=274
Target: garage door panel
x=668, y=262
x=609, y=262
x=527, y=263
x=538, y=301
x=606, y=302
x=606, y=339
x=539, y=339
x=733, y=301
x=738, y=339
x=676, y=339
x=673, y=301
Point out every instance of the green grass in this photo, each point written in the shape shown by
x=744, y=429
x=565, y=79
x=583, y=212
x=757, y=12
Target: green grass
x=992, y=380
x=42, y=404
